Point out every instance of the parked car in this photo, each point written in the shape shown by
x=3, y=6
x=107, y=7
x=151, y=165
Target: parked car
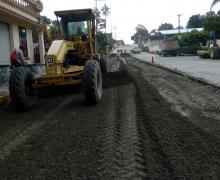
x=136, y=50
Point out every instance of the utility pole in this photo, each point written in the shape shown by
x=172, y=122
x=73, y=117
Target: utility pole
x=179, y=36
x=115, y=29
x=179, y=15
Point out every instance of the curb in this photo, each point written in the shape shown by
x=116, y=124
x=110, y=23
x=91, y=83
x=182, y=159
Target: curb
x=178, y=72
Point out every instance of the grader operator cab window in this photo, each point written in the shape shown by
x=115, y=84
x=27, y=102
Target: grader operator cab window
x=74, y=23
x=73, y=29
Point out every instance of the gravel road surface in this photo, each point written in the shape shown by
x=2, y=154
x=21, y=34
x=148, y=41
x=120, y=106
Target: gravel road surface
x=146, y=127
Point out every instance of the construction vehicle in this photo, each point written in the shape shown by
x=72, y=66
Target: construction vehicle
x=164, y=48
x=73, y=60
x=169, y=48
x=212, y=50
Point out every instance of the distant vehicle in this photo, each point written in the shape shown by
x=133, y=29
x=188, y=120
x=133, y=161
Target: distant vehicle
x=169, y=48
x=136, y=50
x=114, y=53
x=163, y=47
x=212, y=50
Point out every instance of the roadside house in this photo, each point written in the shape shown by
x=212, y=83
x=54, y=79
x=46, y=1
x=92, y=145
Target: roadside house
x=156, y=40
x=18, y=19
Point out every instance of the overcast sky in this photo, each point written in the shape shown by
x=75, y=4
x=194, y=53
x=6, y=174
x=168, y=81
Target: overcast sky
x=126, y=14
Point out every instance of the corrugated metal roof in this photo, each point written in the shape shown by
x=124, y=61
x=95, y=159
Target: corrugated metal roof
x=176, y=31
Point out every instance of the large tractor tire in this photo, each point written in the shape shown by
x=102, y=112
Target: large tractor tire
x=92, y=82
x=215, y=53
x=23, y=95
x=103, y=65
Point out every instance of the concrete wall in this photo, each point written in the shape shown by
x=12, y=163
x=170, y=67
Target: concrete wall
x=4, y=78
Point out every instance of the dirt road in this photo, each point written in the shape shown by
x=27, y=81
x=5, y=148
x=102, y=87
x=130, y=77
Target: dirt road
x=142, y=129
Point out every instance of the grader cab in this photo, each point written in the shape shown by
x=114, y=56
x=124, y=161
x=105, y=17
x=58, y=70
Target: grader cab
x=72, y=60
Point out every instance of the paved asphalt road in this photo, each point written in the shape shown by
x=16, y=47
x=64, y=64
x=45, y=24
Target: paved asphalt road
x=203, y=68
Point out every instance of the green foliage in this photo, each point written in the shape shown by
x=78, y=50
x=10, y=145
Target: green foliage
x=196, y=21
x=54, y=31
x=102, y=41
x=189, y=50
x=165, y=26
x=100, y=20
x=106, y=11
x=212, y=23
x=214, y=2
x=141, y=32
x=190, y=42
x=45, y=20
x=210, y=14
x=193, y=38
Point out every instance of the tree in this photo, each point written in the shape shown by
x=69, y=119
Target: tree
x=212, y=23
x=45, y=20
x=101, y=22
x=210, y=14
x=106, y=12
x=196, y=21
x=97, y=13
x=153, y=31
x=141, y=33
x=101, y=38
x=165, y=26
x=141, y=30
x=214, y=2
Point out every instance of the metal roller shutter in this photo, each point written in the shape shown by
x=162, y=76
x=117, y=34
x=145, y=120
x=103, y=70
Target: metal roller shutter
x=4, y=44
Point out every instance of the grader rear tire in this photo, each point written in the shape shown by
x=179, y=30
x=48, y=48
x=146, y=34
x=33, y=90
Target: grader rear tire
x=23, y=96
x=92, y=82
x=215, y=53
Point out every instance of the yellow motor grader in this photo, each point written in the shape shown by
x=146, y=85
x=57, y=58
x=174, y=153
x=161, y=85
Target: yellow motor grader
x=72, y=60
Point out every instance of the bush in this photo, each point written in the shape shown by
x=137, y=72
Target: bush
x=189, y=50
x=193, y=38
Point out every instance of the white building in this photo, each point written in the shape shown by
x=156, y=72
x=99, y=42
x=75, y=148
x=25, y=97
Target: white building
x=17, y=20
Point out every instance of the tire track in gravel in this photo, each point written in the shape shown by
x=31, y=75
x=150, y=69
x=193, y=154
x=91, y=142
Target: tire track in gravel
x=181, y=148
x=198, y=102
x=132, y=134
x=21, y=133
x=120, y=153
x=92, y=142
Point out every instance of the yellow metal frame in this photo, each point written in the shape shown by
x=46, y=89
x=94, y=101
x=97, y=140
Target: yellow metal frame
x=56, y=74
x=4, y=98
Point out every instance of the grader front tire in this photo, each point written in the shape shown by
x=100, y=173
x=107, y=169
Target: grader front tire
x=23, y=96
x=103, y=65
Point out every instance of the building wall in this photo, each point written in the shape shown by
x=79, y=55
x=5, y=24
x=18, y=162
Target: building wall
x=4, y=72
x=14, y=36
x=30, y=46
